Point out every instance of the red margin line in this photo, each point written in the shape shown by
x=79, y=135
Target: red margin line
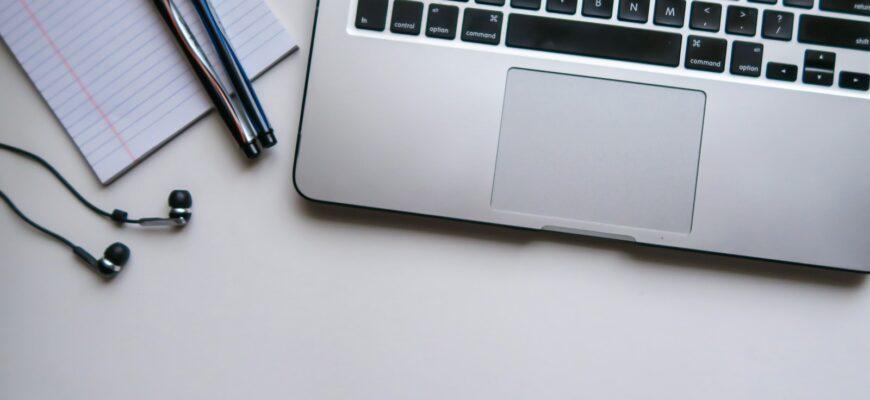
x=75, y=76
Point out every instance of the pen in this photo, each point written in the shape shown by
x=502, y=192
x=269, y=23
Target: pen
x=244, y=89
x=236, y=120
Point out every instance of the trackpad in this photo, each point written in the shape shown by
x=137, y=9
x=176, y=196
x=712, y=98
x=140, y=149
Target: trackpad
x=598, y=150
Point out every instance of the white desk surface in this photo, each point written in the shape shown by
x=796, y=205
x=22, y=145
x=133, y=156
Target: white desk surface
x=267, y=296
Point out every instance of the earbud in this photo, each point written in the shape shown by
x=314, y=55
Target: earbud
x=113, y=261
x=180, y=202
x=116, y=255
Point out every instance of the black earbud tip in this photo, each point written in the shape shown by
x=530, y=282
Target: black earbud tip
x=180, y=199
x=118, y=253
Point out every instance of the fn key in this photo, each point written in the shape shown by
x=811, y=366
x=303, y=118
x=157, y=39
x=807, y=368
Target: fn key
x=371, y=14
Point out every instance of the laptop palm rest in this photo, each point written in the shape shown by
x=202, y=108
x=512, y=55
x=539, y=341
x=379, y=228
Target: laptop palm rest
x=597, y=150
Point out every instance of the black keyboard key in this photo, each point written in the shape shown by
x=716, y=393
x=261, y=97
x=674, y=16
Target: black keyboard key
x=741, y=20
x=782, y=72
x=854, y=80
x=407, y=17
x=819, y=59
x=442, y=21
x=526, y=4
x=763, y=1
x=777, y=25
x=633, y=10
x=371, y=14
x=706, y=54
x=595, y=40
x=481, y=26
x=857, y=7
x=798, y=3
x=598, y=8
x=490, y=2
x=562, y=6
x=670, y=13
x=822, y=78
x=746, y=58
x=705, y=16
x=835, y=32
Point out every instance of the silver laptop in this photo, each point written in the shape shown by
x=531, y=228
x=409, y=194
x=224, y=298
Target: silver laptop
x=734, y=127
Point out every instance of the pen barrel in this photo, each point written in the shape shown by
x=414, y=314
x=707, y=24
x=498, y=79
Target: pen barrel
x=209, y=80
x=244, y=89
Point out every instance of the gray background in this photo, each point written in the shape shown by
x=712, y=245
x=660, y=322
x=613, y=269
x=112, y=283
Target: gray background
x=274, y=297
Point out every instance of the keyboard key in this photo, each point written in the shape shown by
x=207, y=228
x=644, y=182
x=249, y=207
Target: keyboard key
x=741, y=21
x=705, y=16
x=562, y=6
x=835, y=32
x=442, y=21
x=595, y=40
x=490, y=2
x=854, y=80
x=670, y=13
x=819, y=59
x=633, y=10
x=598, y=8
x=763, y=1
x=371, y=14
x=746, y=58
x=706, y=54
x=818, y=77
x=798, y=3
x=857, y=7
x=782, y=72
x=777, y=25
x=407, y=17
x=526, y=4
x=481, y=26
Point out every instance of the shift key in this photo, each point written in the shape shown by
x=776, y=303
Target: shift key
x=848, y=33
x=706, y=54
x=481, y=26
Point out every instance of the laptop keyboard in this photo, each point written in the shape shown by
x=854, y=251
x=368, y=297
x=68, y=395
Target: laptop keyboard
x=726, y=37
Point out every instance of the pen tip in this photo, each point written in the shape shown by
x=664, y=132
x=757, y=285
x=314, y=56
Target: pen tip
x=267, y=139
x=251, y=150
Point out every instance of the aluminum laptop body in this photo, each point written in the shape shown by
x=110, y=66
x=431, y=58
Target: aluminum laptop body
x=733, y=127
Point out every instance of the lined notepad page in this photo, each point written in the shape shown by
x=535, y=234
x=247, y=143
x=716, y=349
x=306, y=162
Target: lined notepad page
x=114, y=75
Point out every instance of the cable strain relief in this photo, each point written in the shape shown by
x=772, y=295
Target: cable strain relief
x=119, y=216
x=85, y=256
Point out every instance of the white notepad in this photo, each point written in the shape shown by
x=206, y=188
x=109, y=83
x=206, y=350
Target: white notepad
x=114, y=75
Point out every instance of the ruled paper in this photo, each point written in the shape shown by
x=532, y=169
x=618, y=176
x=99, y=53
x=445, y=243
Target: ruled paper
x=113, y=74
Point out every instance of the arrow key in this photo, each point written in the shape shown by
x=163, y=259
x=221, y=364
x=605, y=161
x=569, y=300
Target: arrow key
x=782, y=72
x=819, y=59
x=854, y=80
x=816, y=77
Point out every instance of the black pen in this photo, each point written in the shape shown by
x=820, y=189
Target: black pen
x=244, y=89
x=235, y=119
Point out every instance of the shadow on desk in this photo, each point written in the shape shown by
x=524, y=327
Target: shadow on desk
x=649, y=256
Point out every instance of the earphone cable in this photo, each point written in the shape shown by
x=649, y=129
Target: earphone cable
x=69, y=186
x=33, y=223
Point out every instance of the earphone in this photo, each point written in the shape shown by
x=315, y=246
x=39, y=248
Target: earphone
x=117, y=254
